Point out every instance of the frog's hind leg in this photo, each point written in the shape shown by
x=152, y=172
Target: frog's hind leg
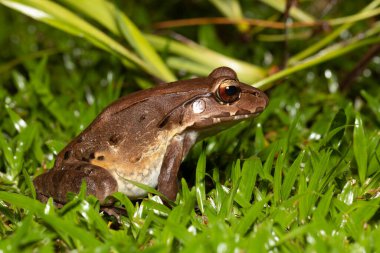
x=56, y=183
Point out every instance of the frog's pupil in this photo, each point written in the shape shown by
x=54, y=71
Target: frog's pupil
x=231, y=90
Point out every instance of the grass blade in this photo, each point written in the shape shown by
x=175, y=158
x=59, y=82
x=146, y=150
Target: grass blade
x=7, y=153
x=324, y=205
x=209, y=59
x=143, y=48
x=277, y=179
x=373, y=102
x=248, y=179
x=360, y=148
x=108, y=15
x=328, y=39
x=250, y=216
x=59, y=224
x=200, y=175
x=291, y=176
x=61, y=18
x=327, y=54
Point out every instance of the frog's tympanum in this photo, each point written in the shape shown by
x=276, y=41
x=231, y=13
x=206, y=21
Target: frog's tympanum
x=143, y=137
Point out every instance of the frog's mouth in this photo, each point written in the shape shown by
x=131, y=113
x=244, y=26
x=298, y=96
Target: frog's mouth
x=239, y=115
x=233, y=119
x=211, y=126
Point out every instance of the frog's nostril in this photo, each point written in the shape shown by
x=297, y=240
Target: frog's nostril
x=256, y=94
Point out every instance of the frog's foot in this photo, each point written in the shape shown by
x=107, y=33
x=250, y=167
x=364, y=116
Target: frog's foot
x=58, y=182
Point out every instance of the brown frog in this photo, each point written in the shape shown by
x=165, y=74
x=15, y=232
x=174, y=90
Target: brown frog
x=144, y=137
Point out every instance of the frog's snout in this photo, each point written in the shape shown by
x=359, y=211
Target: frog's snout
x=266, y=100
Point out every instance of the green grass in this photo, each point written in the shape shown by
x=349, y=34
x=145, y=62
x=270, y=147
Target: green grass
x=302, y=177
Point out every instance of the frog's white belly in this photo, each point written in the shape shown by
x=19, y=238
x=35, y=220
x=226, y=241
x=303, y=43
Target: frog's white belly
x=146, y=170
x=147, y=175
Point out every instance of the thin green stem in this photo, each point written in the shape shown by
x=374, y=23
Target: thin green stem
x=330, y=38
x=328, y=54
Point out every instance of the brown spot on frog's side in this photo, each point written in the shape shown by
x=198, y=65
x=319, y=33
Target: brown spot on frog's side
x=142, y=118
x=88, y=157
x=114, y=140
x=67, y=155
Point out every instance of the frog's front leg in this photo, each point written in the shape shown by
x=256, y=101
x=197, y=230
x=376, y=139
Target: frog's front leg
x=175, y=153
x=57, y=182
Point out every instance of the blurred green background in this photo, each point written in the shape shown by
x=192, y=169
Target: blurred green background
x=302, y=177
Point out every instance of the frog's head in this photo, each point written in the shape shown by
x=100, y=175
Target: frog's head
x=226, y=102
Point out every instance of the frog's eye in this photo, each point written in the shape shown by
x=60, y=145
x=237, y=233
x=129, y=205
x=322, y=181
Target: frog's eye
x=228, y=91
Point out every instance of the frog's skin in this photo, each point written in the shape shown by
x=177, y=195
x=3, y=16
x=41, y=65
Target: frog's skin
x=144, y=137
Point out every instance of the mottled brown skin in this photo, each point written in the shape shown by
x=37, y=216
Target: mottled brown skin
x=145, y=136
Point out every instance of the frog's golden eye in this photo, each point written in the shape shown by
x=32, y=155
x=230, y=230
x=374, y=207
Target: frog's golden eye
x=228, y=91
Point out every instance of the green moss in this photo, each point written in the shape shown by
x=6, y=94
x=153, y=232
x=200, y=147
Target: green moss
x=302, y=177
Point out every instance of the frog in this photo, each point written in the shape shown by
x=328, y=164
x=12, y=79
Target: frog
x=143, y=137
